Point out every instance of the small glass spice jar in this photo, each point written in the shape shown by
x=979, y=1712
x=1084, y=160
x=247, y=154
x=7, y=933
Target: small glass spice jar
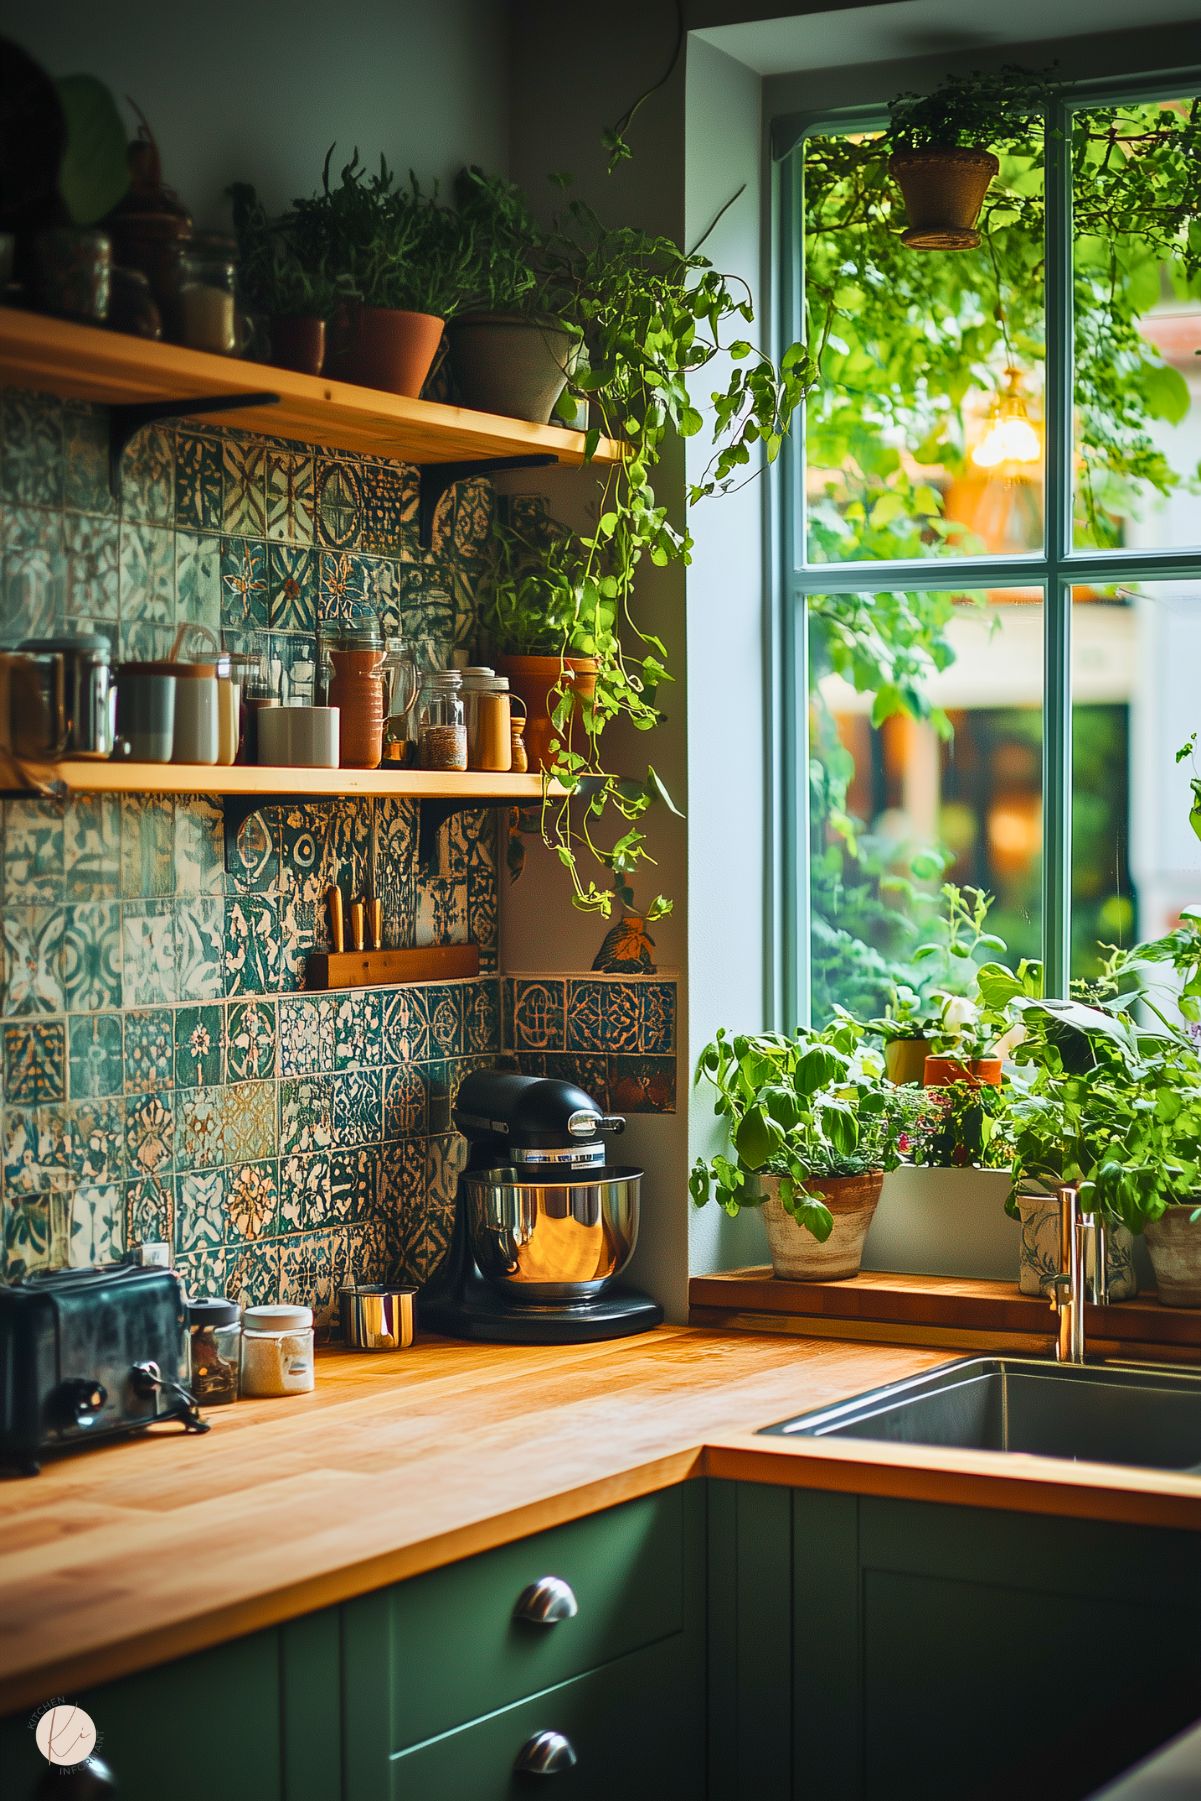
x=207, y=302
x=215, y=1345
x=441, y=723
x=277, y=1350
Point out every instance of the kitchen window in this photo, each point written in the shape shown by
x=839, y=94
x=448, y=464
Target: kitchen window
x=991, y=633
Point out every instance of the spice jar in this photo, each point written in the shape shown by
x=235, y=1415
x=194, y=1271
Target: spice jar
x=277, y=1350
x=207, y=300
x=215, y=1344
x=441, y=726
x=353, y=650
x=401, y=686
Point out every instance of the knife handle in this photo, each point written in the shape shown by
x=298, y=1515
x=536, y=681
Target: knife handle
x=375, y=925
x=356, y=924
x=337, y=927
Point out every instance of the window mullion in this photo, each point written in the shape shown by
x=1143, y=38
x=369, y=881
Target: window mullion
x=1057, y=673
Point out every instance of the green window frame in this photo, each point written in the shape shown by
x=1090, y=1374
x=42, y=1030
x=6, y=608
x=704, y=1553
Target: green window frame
x=1058, y=566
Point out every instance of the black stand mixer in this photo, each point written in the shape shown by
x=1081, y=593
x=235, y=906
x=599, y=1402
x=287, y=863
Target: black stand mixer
x=543, y=1224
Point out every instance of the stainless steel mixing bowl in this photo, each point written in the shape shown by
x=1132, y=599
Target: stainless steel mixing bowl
x=553, y=1237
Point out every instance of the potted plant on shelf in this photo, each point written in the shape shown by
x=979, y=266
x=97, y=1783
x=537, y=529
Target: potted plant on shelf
x=931, y=1021
x=403, y=258
x=943, y=149
x=814, y=1124
x=511, y=347
x=293, y=298
x=960, y=1126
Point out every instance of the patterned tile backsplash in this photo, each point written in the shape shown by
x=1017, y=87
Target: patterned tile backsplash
x=162, y=1075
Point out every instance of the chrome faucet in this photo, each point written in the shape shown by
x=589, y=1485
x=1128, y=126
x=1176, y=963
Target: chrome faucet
x=1076, y=1231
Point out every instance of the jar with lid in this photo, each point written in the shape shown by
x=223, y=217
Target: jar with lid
x=207, y=302
x=441, y=726
x=277, y=1350
x=401, y=686
x=351, y=659
x=487, y=707
x=215, y=1346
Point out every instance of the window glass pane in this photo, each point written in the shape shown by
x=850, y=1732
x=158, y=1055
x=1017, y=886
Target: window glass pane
x=1137, y=288
x=925, y=431
x=926, y=766
x=1136, y=651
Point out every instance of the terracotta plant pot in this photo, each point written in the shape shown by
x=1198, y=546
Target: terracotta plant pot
x=1038, y=1250
x=1175, y=1246
x=505, y=364
x=981, y=1072
x=905, y=1059
x=943, y=192
x=534, y=679
x=298, y=344
x=796, y=1255
x=383, y=347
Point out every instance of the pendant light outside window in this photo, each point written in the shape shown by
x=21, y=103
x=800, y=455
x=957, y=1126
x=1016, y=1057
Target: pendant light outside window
x=1011, y=441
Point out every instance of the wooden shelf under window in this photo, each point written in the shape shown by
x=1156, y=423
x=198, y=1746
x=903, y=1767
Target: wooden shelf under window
x=83, y=362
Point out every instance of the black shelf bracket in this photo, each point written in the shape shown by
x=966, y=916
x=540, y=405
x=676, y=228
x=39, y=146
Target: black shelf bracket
x=127, y=418
x=436, y=478
x=434, y=814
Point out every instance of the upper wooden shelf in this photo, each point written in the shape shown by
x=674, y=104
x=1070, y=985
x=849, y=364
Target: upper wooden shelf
x=83, y=362
x=85, y=776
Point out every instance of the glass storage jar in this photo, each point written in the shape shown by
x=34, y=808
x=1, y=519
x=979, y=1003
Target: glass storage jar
x=215, y=1346
x=441, y=723
x=207, y=301
x=277, y=1350
x=401, y=685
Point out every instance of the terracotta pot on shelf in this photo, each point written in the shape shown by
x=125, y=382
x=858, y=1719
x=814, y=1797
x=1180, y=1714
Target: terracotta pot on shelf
x=1174, y=1243
x=905, y=1059
x=796, y=1255
x=534, y=679
x=943, y=190
x=383, y=347
x=503, y=363
x=298, y=344
x=981, y=1072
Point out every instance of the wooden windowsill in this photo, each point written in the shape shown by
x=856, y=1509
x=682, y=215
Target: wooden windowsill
x=959, y=1312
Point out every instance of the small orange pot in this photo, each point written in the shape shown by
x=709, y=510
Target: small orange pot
x=384, y=347
x=981, y=1072
x=535, y=679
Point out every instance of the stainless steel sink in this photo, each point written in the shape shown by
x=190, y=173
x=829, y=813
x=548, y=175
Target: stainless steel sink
x=1098, y=1413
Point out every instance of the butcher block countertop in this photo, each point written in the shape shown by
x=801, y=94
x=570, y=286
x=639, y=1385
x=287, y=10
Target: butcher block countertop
x=119, y=1558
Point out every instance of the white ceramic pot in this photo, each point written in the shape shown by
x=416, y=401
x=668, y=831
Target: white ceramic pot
x=1038, y=1250
x=796, y=1255
x=298, y=737
x=1175, y=1246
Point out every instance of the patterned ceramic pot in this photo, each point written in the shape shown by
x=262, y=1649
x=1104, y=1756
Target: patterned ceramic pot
x=1174, y=1243
x=1038, y=1250
x=796, y=1255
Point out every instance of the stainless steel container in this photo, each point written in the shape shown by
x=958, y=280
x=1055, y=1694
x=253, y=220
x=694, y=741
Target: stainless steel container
x=375, y=1318
x=89, y=696
x=556, y=1237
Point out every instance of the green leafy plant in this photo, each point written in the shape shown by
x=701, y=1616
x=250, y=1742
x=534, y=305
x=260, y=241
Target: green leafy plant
x=94, y=172
x=809, y=1107
x=976, y=111
x=394, y=245
x=960, y=1126
x=944, y=1005
x=275, y=278
x=654, y=320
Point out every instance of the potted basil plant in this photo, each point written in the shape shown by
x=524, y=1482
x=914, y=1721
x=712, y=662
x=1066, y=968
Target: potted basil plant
x=943, y=145
x=813, y=1124
x=293, y=298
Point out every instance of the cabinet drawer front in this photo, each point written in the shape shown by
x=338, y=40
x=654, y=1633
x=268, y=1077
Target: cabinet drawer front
x=636, y=1728
x=442, y=1649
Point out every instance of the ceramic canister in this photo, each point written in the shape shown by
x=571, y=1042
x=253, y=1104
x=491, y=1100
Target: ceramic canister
x=197, y=737
x=146, y=711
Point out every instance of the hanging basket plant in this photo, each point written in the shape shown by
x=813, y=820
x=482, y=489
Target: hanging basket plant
x=943, y=149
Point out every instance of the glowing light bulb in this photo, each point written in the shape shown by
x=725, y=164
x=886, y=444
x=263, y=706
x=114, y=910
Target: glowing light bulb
x=1010, y=439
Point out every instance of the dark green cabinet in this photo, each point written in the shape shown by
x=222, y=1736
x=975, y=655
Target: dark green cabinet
x=945, y=1653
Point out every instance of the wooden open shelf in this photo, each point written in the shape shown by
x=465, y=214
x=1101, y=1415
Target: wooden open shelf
x=85, y=776
x=959, y=1312
x=84, y=362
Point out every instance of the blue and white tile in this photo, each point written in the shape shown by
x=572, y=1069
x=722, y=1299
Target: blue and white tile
x=149, y=1049
x=148, y=949
x=85, y=460
x=91, y=570
x=251, y=1040
x=199, y=846
x=97, y=1223
x=147, y=580
x=99, y=1141
x=244, y=606
x=31, y=466
x=291, y=496
x=147, y=846
x=251, y=1201
x=200, y=949
x=34, y=839
x=33, y=942
x=35, y=1061
x=198, y=579
x=148, y=476
x=92, y=956
x=92, y=847
x=150, y=1133
x=200, y=1217
x=198, y=482
x=96, y=1063
x=244, y=498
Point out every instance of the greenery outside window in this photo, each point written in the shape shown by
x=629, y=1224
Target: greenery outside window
x=992, y=539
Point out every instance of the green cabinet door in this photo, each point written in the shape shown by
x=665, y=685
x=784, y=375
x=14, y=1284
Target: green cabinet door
x=257, y=1717
x=965, y=1654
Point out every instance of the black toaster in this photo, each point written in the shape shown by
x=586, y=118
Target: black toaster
x=90, y=1354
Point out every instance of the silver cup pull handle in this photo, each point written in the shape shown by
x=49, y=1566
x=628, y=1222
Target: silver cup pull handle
x=546, y=1754
x=546, y=1602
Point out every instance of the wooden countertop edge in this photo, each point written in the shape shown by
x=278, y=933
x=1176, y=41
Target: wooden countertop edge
x=327, y=1588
